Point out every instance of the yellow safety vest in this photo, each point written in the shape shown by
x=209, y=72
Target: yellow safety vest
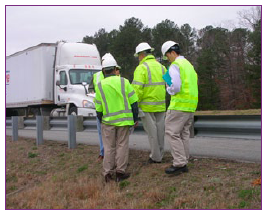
x=97, y=77
x=114, y=97
x=187, y=99
x=149, y=85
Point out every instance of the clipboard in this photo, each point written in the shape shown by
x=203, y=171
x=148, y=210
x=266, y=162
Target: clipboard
x=167, y=78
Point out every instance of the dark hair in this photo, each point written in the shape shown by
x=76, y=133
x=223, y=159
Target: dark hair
x=174, y=48
x=109, y=70
x=146, y=52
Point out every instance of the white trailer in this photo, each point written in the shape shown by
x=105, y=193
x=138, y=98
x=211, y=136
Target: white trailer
x=52, y=79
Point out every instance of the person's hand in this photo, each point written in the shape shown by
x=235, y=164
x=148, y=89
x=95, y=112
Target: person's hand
x=136, y=124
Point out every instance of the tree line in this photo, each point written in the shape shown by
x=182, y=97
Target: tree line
x=228, y=62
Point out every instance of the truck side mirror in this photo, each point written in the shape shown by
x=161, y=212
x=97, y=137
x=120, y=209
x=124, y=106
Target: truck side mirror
x=59, y=85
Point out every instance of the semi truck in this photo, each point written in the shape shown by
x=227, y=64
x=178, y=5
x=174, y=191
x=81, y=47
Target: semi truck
x=51, y=79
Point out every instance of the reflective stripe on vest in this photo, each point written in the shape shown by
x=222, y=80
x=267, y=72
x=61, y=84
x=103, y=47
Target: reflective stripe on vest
x=119, y=120
x=98, y=76
x=152, y=103
x=150, y=78
x=126, y=110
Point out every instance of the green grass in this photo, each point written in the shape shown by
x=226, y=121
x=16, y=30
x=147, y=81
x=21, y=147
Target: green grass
x=82, y=168
x=32, y=155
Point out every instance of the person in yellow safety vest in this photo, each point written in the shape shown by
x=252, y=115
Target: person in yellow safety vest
x=150, y=89
x=117, y=109
x=184, y=100
x=97, y=77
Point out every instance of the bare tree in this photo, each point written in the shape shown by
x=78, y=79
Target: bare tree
x=249, y=18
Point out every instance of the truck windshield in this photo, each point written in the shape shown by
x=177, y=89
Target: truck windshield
x=77, y=76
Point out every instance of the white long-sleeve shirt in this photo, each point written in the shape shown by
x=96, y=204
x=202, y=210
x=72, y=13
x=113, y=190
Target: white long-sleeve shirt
x=175, y=78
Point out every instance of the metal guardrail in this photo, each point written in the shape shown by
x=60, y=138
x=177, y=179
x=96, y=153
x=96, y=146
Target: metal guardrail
x=58, y=123
x=231, y=126
x=8, y=122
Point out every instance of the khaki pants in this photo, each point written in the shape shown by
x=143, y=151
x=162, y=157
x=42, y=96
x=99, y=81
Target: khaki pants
x=177, y=134
x=153, y=123
x=116, y=146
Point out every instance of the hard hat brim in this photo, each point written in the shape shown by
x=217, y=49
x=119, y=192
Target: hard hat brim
x=136, y=54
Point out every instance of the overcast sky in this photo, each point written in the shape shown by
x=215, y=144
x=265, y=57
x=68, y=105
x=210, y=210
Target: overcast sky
x=30, y=25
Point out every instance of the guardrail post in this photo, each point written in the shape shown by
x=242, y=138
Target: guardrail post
x=15, y=128
x=71, y=124
x=39, y=130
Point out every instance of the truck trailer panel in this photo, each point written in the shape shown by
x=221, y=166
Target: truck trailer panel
x=30, y=74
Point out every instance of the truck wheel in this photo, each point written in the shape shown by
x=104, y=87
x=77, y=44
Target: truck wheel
x=36, y=111
x=73, y=111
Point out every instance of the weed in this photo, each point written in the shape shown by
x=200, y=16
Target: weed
x=172, y=189
x=123, y=184
x=40, y=172
x=13, y=188
x=242, y=204
x=209, y=188
x=246, y=194
x=11, y=178
x=130, y=195
x=32, y=155
x=255, y=173
x=82, y=168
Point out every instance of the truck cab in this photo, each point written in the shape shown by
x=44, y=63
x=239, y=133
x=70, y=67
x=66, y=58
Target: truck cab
x=74, y=68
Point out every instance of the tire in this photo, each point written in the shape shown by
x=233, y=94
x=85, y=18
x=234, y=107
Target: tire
x=73, y=111
x=35, y=111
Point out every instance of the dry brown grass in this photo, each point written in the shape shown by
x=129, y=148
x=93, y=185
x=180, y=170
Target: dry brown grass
x=53, y=177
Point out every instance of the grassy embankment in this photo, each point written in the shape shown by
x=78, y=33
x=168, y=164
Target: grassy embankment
x=51, y=176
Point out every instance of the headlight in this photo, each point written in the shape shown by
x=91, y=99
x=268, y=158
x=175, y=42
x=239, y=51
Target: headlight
x=88, y=104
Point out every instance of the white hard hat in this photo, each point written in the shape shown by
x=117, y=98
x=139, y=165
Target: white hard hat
x=142, y=47
x=109, y=61
x=107, y=55
x=166, y=46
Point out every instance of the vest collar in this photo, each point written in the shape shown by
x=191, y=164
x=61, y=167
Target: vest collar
x=180, y=57
x=109, y=75
x=146, y=58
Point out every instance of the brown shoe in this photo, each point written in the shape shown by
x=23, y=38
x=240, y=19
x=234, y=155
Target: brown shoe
x=100, y=158
x=108, y=178
x=121, y=176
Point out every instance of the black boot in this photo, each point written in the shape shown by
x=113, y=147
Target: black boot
x=150, y=161
x=176, y=170
x=121, y=176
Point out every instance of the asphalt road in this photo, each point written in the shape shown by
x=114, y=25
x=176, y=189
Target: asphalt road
x=226, y=148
